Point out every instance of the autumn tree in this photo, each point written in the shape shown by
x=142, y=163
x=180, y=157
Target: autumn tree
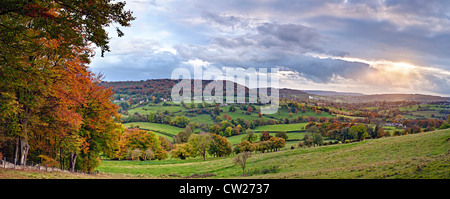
x=277, y=142
x=264, y=136
x=249, y=110
x=215, y=129
x=165, y=143
x=54, y=104
x=262, y=146
x=380, y=131
x=220, y=146
x=182, y=151
x=244, y=146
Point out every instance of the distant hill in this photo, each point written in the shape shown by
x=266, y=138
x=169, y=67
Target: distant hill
x=147, y=87
x=157, y=87
x=359, y=97
x=397, y=97
x=291, y=93
x=163, y=88
x=331, y=93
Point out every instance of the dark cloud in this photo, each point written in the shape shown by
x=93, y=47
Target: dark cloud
x=240, y=41
x=289, y=35
x=275, y=45
x=227, y=21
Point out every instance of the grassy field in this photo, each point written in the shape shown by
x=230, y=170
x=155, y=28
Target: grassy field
x=201, y=118
x=424, y=155
x=282, y=127
x=21, y=174
x=170, y=130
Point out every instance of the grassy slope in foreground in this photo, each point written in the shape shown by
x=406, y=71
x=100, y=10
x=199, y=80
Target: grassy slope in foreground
x=424, y=155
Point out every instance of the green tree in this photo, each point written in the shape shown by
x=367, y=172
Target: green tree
x=282, y=134
x=358, y=132
x=445, y=126
x=317, y=139
x=307, y=140
x=200, y=143
x=181, y=121
x=250, y=136
x=228, y=131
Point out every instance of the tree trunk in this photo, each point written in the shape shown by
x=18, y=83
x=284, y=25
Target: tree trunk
x=73, y=160
x=24, y=147
x=16, y=151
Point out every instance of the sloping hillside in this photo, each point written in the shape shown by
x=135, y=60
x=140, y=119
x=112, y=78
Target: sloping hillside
x=424, y=155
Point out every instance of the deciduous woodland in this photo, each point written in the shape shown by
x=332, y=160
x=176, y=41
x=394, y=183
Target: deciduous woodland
x=51, y=107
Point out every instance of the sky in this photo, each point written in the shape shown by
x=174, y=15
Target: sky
x=365, y=46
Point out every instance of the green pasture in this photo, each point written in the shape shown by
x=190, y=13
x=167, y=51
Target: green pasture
x=423, y=155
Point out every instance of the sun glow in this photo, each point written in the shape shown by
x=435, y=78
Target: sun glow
x=386, y=74
x=384, y=65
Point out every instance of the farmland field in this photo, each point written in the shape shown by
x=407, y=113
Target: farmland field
x=282, y=127
x=171, y=130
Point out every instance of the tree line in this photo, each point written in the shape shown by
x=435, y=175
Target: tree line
x=51, y=106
